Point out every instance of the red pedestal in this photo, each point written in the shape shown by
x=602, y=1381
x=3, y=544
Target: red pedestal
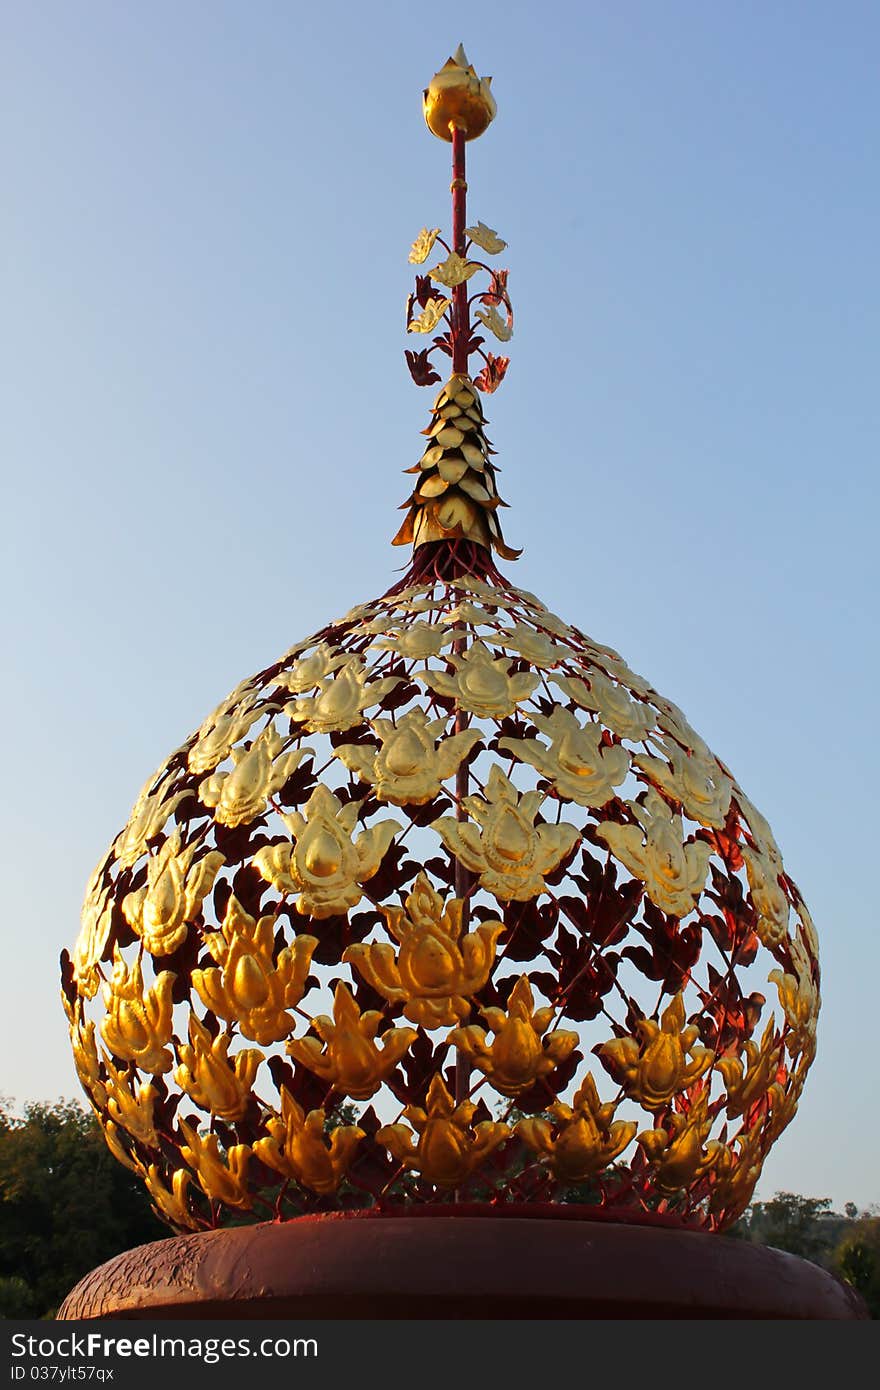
x=506, y=1264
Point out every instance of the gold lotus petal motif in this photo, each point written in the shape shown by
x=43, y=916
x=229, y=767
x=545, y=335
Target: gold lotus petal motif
x=770, y=902
x=160, y=912
x=138, y=1023
x=662, y=1061
x=674, y=873
x=522, y=1051
x=584, y=1137
x=495, y=323
x=448, y=1149
x=296, y=1146
x=510, y=853
x=695, y=780
x=309, y=671
x=410, y=764
x=581, y=768
x=325, y=865
x=626, y=717
x=341, y=699
x=259, y=771
x=681, y=1152
x=347, y=1056
x=480, y=683
x=222, y=1177
x=211, y=1078
x=455, y=270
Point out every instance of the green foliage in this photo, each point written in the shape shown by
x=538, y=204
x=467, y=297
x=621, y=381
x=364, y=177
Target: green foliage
x=857, y=1260
x=66, y=1205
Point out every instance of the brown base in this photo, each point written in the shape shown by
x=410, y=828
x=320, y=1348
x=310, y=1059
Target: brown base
x=457, y=1266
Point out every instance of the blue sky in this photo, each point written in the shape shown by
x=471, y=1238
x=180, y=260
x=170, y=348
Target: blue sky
x=208, y=210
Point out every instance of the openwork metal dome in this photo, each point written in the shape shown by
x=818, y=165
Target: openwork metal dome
x=446, y=905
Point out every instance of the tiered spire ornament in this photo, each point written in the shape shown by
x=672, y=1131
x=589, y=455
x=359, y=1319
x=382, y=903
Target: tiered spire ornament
x=450, y=869
x=455, y=496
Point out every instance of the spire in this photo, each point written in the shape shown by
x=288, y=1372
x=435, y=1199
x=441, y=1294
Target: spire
x=455, y=496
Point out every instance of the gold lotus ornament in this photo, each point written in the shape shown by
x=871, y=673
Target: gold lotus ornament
x=149, y=814
x=535, y=647
x=222, y=1177
x=428, y=319
x=481, y=684
x=800, y=1000
x=492, y=320
x=486, y=239
x=662, y=1061
x=583, y=1137
x=311, y=670
x=96, y=924
x=249, y=987
x=161, y=911
x=770, y=902
x=259, y=771
x=419, y=641
x=87, y=1061
x=510, y=853
x=223, y=729
x=674, y=873
x=350, y=1060
x=581, y=767
x=138, y=1026
x=626, y=717
x=436, y=970
x=326, y=866
x=297, y=1147
x=410, y=765
x=522, y=1051
x=748, y=1081
x=456, y=98
x=341, y=699
x=448, y=1149
x=681, y=1152
x=694, y=779
x=219, y=1084
x=455, y=270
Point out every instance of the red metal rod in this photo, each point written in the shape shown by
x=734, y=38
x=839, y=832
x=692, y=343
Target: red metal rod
x=460, y=312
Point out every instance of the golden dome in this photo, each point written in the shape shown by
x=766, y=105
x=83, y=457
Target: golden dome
x=445, y=904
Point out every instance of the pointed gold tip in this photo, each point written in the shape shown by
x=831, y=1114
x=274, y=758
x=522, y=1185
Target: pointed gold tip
x=457, y=99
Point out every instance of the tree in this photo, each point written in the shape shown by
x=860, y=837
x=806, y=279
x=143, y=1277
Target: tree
x=857, y=1260
x=66, y=1205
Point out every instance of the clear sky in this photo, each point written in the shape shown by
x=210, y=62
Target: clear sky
x=207, y=210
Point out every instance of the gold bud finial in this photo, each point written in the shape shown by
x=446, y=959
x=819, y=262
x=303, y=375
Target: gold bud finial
x=456, y=98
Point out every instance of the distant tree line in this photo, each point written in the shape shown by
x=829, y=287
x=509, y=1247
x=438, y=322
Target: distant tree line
x=66, y=1206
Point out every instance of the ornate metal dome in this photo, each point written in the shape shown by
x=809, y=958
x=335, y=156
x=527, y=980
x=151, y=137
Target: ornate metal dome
x=447, y=904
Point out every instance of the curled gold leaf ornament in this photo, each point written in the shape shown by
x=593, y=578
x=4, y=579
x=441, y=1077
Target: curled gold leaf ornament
x=681, y=1152
x=410, y=765
x=296, y=1146
x=522, y=1051
x=325, y=865
x=662, y=1061
x=341, y=699
x=423, y=245
x=239, y=796
x=748, y=1081
x=770, y=902
x=455, y=270
x=625, y=717
x=248, y=986
x=436, y=969
x=481, y=684
x=427, y=320
x=113, y=1138
x=510, y=852
x=448, y=1150
x=695, y=780
x=87, y=1061
x=581, y=768
x=171, y=1204
x=800, y=1000
x=492, y=320
x=161, y=911
x=583, y=1137
x=486, y=239
x=222, y=1177
x=219, y=1084
x=350, y=1060
x=138, y=1026
x=674, y=873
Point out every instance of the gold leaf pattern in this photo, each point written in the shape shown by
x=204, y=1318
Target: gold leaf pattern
x=423, y=245
x=161, y=911
x=587, y=1137
x=480, y=683
x=410, y=765
x=448, y=1150
x=580, y=767
x=350, y=1060
x=673, y=873
x=485, y=238
x=522, y=1050
x=427, y=320
x=453, y=271
x=296, y=1146
x=662, y=1061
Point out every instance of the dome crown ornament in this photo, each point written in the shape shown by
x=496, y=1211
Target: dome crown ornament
x=447, y=903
